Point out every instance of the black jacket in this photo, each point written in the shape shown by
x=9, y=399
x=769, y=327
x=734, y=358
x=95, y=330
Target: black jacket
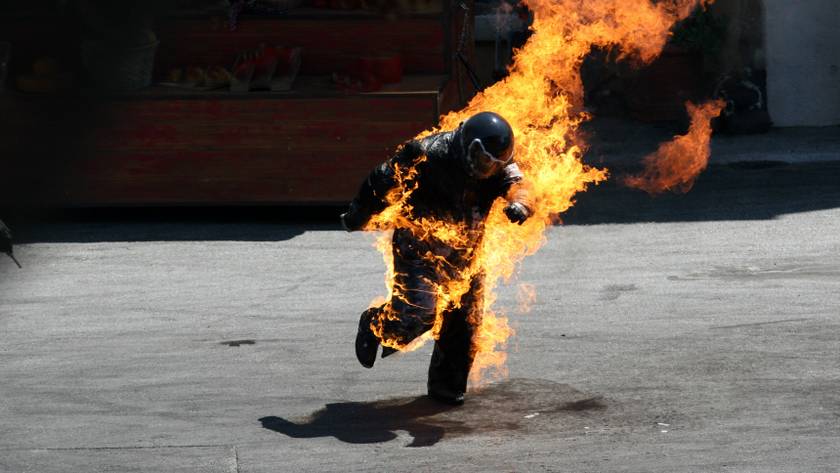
x=442, y=187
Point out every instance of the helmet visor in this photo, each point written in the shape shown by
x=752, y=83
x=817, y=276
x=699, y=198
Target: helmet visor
x=482, y=162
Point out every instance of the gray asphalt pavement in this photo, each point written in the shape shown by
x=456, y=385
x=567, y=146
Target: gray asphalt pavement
x=682, y=334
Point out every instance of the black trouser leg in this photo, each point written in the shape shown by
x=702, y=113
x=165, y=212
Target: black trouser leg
x=454, y=353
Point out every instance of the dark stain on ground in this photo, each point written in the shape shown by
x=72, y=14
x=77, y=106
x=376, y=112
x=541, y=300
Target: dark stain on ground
x=236, y=343
x=774, y=272
x=759, y=324
x=512, y=405
x=614, y=291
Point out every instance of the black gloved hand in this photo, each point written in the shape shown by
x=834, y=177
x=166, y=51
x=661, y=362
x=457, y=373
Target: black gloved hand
x=517, y=213
x=353, y=219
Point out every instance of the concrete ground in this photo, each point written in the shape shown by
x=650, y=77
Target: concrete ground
x=687, y=333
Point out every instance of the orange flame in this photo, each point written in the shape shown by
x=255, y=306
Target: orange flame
x=542, y=99
x=526, y=297
x=677, y=164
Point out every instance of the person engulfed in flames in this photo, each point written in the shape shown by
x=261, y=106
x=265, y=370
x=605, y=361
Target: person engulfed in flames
x=445, y=180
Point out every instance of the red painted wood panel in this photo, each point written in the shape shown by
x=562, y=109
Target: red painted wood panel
x=210, y=151
x=256, y=151
x=222, y=178
x=313, y=146
x=317, y=125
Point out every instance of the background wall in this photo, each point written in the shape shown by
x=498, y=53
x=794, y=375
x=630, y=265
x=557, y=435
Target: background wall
x=803, y=61
x=743, y=45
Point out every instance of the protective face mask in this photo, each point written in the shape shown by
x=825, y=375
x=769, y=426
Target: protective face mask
x=482, y=163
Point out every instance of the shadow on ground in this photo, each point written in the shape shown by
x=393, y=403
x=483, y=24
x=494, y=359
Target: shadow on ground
x=739, y=191
x=171, y=224
x=509, y=406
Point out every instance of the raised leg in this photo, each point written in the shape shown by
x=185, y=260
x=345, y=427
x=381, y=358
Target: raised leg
x=409, y=314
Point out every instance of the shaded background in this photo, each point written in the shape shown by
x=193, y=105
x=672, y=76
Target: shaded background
x=113, y=105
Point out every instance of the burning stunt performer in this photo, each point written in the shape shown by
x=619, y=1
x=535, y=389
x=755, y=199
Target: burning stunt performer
x=455, y=177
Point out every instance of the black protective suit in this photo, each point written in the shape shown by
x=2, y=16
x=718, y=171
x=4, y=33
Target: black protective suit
x=444, y=189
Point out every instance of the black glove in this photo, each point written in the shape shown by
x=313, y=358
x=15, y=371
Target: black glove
x=353, y=219
x=517, y=213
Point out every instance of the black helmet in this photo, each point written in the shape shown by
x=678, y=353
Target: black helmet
x=487, y=140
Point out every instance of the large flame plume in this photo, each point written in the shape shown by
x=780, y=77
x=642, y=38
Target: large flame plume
x=542, y=98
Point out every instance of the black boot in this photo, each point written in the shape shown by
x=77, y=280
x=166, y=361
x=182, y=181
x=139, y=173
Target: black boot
x=447, y=397
x=447, y=383
x=366, y=342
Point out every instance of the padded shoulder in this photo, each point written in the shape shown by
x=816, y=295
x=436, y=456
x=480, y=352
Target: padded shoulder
x=438, y=145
